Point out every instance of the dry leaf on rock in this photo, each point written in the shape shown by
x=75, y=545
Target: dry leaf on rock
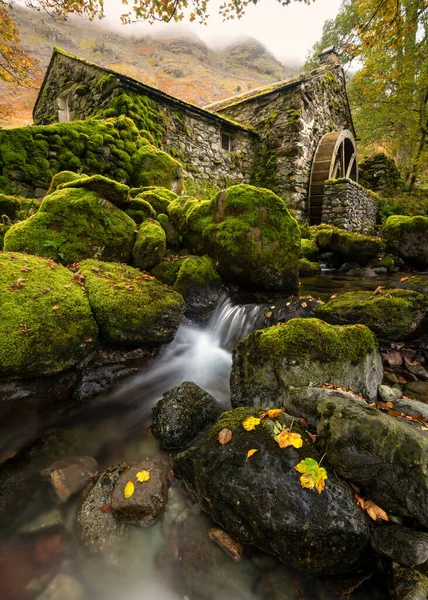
x=286, y=438
x=373, y=510
x=224, y=436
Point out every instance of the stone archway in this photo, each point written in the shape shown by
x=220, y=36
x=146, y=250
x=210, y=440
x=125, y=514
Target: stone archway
x=335, y=158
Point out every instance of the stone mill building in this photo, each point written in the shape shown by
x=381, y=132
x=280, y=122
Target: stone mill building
x=295, y=137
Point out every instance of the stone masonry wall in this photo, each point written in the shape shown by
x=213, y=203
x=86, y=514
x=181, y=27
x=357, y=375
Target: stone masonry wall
x=290, y=124
x=84, y=90
x=349, y=206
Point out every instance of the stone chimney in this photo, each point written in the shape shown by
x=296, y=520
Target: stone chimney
x=329, y=56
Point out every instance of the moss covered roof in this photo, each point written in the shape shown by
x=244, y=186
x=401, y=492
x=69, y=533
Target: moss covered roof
x=142, y=88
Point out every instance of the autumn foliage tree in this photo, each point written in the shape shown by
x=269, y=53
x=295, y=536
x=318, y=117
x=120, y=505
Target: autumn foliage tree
x=389, y=90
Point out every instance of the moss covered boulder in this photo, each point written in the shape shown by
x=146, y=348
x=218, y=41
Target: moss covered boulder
x=150, y=245
x=173, y=238
x=64, y=177
x=113, y=191
x=408, y=238
x=47, y=325
x=385, y=456
x=417, y=283
x=152, y=167
x=248, y=231
x=302, y=352
x=140, y=210
x=159, y=198
x=391, y=314
x=259, y=500
x=73, y=224
x=308, y=249
x=130, y=307
x=308, y=268
x=347, y=245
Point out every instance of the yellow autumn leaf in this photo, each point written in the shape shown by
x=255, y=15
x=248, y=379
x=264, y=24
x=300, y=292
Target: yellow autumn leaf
x=313, y=476
x=250, y=423
x=251, y=452
x=285, y=438
x=143, y=476
x=128, y=490
x=274, y=412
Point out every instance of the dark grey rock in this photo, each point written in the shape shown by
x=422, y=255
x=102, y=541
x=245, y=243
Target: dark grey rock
x=403, y=545
x=410, y=585
x=182, y=414
x=69, y=475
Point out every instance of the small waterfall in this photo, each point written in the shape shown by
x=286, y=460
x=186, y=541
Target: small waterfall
x=202, y=355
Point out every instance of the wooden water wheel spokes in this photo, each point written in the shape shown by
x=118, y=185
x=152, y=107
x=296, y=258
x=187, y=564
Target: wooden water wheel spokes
x=335, y=158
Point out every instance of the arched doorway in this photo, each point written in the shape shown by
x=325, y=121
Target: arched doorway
x=335, y=158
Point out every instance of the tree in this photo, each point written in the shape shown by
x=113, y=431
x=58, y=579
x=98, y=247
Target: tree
x=389, y=91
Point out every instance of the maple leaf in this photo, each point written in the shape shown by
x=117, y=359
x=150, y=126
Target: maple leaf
x=224, y=436
x=313, y=476
x=128, y=490
x=285, y=438
x=374, y=511
x=272, y=413
x=251, y=452
x=143, y=476
x=250, y=423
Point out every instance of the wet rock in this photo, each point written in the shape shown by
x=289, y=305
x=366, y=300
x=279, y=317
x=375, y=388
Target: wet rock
x=363, y=272
x=411, y=407
x=391, y=314
x=63, y=587
x=308, y=268
x=406, y=236
x=417, y=390
x=409, y=584
x=281, y=311
x=392, y=358
x=384, y=455
x=416, y=283
x=300, y=353
x=50, y=519
x=182, y=414
x=348, y=245
x=149, y=496
x=97, y=529
x=414, y=367
x=347, y=266
x=69, y=475
x=389, y=394
x=261, y=502
x=403, y=545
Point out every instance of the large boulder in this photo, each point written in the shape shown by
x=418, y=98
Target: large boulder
x=159, y=198
x=348, y=245
x=248, y=231
x=385, y=456
x=407, y=237
x=182, y=414
x=152, y=167
x=130, y=307
x=47, y=325
x=150, y=245
x=405, y=546
x=409, y=584
x=259, y=499
x=391, y=314
x=75, y=223
x=302, y=352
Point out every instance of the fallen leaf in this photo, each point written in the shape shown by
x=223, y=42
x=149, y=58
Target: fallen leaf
x=89, y=340
x=394, y=413
x=333, y=296
x=286, y=438
x=233, y=548
x=143, y=476
x=251, y=452
x=250, y=423
x=25, y=270
x=128, y=490
x=106, y=508
x=404, y=279
x=313, y=476
x=268, y=314
x=224, y=436
x=312, y=436
x=23, y=327
x=378, y=290
x=304, y=304
x=55, y=307
x=69, y=286
x=374, y=511
x=272, y=413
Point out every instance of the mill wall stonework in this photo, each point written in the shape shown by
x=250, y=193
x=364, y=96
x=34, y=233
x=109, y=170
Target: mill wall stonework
x=349, y=206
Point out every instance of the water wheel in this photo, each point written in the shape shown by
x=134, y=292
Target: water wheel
x=335, y=158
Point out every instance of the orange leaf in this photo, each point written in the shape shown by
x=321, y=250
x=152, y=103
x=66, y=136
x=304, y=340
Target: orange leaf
x=286, y=438
x=251, y=452
x=224, y=436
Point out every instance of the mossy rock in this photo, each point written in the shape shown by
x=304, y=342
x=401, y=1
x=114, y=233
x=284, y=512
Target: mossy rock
x=139, y=210
x=73, y=224
x=196, y=272
x=173, y=238
x=308, y=249
x=167, y=270
x=160, y=198
x=248, y=231
x=391, y=314
x=9, y=206
x=308, y=268
x=409, y=584
x=348, y=245
x=114, y=192
x=416, y=283
x=4, y=227
x=150, y=245
x=260, y=502
x=407, y=237
x=16, y=208
x=386, y=262
x=131, y=308
x=302, y=352
x=152, y=167
x=64, y=177
x=47, y=325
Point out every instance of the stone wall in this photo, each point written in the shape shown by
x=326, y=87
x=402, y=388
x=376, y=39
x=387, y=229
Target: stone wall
x=74, y=89
x=291, y=123
x=349, y=206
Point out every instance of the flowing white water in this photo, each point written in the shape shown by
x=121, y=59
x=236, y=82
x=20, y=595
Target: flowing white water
x=202, y=355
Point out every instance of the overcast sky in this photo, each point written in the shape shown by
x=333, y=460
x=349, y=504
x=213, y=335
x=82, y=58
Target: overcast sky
x=289, y=32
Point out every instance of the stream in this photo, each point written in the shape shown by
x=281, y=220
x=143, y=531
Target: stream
x=174, y=559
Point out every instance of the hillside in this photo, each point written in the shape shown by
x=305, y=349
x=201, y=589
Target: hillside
x=182, y=66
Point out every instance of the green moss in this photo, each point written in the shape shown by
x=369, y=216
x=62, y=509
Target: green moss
x=150, y=245
x=47, y=324
x=64, y=177
x=139, y=210
x=398, y=226
x=128, y=306
x=4, y=227
x=159, y=198
x=383, y=261
x=103, y=83
x=9, y=206
x=195, y=271
x=153, y=167
x=107, y=188
x=178, y=210
x=308, y=249
x=73, y=224
x=308, y=268
x=349, y=245
x=167, y=270
x=314, y=339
